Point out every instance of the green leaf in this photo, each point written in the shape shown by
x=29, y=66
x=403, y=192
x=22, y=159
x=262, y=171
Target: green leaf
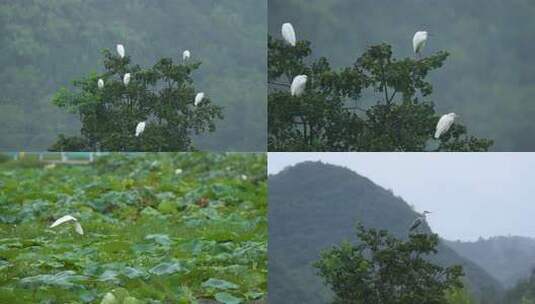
x=64, y=279
x=219, y=284
x=227, y=298
x=166, y=268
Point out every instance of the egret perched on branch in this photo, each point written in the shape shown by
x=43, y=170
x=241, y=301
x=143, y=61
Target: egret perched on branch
x=126, y=79
x=140, y=128
x=120, y=50
x=186, y=55
x=298, y=85
x=418, y=221
x=444, y=124
x=418, y=41
x=288, y=33
x=69, y=218
x=198, y=98
x=100, y=83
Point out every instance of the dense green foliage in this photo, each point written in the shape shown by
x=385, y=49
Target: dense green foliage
x=314, y=206
x=459, y=296
x=45, y=44
x=506, y=258
x=162, y=96
x=523, y=292
x=384, y=269
x=159, y=228
x=488, y=78
x=380, y=103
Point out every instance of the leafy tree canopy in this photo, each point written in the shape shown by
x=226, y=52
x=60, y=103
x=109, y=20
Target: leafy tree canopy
x=162, y=96
x=336, y=112
x=384, y=269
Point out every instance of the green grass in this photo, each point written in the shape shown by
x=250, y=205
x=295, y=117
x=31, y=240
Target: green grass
x=152, y=234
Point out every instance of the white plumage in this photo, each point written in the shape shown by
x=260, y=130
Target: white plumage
x=140, y=128
x=419, y=40
x=288, y=33
x=126, y=79
x=444, y=124
x=186, y=55
x=68, y=218
x=100, y=83
x=198, y=98
x=120, y=50
x=298, y=85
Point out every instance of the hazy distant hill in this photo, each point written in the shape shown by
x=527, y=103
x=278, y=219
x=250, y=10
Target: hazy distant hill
x=508, y=259
x=314, y=206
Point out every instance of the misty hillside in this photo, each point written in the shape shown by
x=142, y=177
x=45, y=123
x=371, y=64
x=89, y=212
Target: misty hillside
x=45, y=45
x=314, y=206
x=508, y=259
x=488, y=79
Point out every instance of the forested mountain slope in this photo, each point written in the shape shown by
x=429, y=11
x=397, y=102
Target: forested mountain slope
x=508, y=259
x=314, y=206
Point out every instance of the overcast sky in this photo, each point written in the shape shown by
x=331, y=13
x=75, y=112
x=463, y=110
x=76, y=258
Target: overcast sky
x=470, y=194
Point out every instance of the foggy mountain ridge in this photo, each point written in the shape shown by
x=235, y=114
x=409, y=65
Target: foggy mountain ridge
x=314, y=206
x=507, y=258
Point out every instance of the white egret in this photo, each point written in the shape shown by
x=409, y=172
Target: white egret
x=186, y=55
x=126, y=79
x=120, y=50
x=444, y=124
x=140, y=128
x=418, y=41
x=100, y=83
x=298, y=85
x=69, y=218
x=198, y=98
x=288, y=33
x=418, y=221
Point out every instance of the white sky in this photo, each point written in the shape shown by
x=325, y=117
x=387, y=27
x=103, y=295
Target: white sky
x=470, y=194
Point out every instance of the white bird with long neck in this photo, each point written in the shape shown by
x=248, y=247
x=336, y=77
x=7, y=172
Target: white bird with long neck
x=198, y=98
x=298, y=85
x=140, y=128
x=186, y=55
x=419, y=220
x=69, y=218
x=418, y=41
x=288, y=33
x=120, y=50
x=100, y=83
x=444, y=124
x=126, y=79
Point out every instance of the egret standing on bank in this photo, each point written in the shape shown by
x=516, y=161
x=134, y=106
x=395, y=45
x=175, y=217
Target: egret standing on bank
x=444, y=124
x=418, y=41
x=140, y=128
x=198, y=98
x=186, y=55
x=288, y=33
x=418, y=221
x=69, y=218
x=100, y=83
x=120, y=50
x=298, y=85
x=126, y=79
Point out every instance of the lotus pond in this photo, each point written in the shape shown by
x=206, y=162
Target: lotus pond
x=158, y=228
